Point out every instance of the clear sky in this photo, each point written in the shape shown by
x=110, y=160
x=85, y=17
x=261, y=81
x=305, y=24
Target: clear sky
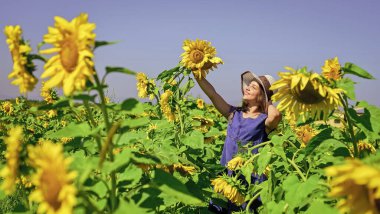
x=257, y=35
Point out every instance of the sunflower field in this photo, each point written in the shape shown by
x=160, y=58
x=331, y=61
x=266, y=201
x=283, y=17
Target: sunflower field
x=82, y=153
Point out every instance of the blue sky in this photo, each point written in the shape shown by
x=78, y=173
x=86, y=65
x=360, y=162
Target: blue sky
x=261, y=36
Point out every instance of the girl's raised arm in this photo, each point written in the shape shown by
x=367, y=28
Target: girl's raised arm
x=220, y=104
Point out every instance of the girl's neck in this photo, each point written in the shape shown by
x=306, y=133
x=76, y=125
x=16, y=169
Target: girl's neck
x=253, y=109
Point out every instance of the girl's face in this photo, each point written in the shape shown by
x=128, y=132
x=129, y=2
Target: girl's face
x=251, y=91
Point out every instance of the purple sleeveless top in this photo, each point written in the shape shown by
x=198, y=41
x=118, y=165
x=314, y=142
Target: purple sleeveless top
x=243, y=130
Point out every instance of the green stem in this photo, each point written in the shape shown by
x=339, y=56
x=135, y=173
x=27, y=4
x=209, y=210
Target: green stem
x=259, y=145
x=349, y=122
x=297, y=169
x=251, y=201
x=92, y=121
x=180, y=119
x=103, y=108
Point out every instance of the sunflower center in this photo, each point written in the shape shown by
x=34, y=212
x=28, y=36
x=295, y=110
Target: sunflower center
x=308, y=95
x=196, y=56
x=50, y=187
x=69, y=56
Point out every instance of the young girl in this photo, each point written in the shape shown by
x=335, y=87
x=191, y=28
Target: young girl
x=250, y=123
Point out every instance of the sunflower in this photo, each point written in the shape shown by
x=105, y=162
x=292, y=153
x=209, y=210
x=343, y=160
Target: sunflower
x=184, y=169
x=304, y=93
x=73, y=65
x=7, y=107
x=358, y=184
x=142, y=85
x=54, y=191
x=331, y=69
x=235, y=163
x=22, y=60
x=52, y=113
x=199, y=56
x=364, y=149
x=206, y=123
x=48, y=94
x=305, y=133
x=165, y=106
x=10, y=171
x=229, y=189
x=200, y=103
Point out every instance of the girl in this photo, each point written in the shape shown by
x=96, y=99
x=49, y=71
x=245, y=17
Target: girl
x=250, y=123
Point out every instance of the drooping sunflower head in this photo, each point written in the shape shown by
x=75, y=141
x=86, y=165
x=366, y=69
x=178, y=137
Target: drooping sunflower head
x=305, y=94
x=357, y=185
x=200, y=103
x=230, y=188
x=11, y=170
x=48, y=94
x=141, y=85
x=55, y=191
x=183, y=169
x=200, y=57
x=235, y=163
x=73, y=63
x=22, y=60
x=331, y=69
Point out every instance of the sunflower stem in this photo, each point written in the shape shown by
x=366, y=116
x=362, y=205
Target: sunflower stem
x=92, y=120
x=103, y=108
x=251, y=201
x=349, y=122
x=297, y=169
x=180, y=118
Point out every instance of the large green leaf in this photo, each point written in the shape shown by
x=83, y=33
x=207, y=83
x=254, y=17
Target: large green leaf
x=103, y=43
x=194, y=140
x=351, y=68
x=348, y=86
x=134, y=123
x=130, y=207
x=319, y=207
x=173, y=187
x=73, y=130
x=264, y=159
x=369, y=121
x=167, y=73
x=317, y=140
x=298, y=191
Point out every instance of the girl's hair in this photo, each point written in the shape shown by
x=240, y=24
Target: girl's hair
x=263, y=107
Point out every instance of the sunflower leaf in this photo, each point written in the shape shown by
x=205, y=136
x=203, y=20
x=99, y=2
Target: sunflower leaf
x=347, y=85
x=167, y=73
x=103, y=43
x=351, y=68
x=119, y=70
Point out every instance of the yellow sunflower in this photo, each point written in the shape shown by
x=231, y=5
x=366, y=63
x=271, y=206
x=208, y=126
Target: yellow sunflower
x=184, y=169
x=47, y=93
x=304, y=94
x=73, y=65
x=305, y=133
x=206, y=123
x=165, y=106
x=199, y=56
x=235, y=163
x=358, y=184
x=364, y=149
x=331, y=69
x=142, y=85
x=54, y=191
x=7, y=107
x=22, y=63
x=52, y=113
x=10, y=171
x=200, y=103
x=223, y=185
